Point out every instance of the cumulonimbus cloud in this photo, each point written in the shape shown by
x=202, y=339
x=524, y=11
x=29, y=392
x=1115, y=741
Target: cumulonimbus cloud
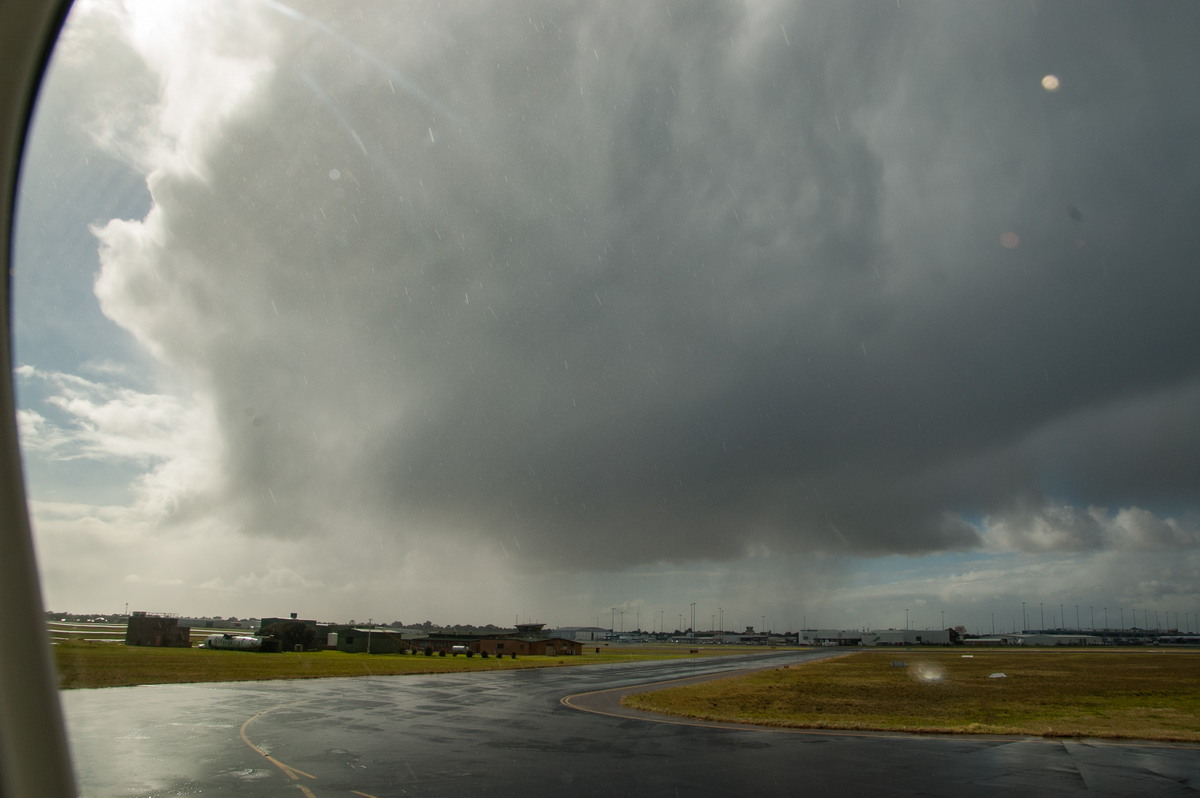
x=671, y=282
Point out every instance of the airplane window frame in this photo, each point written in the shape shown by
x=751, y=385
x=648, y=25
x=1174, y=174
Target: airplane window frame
x=34, y=757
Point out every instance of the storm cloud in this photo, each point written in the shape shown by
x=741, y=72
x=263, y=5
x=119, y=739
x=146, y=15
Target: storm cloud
x=731, y=298
x=619, y=284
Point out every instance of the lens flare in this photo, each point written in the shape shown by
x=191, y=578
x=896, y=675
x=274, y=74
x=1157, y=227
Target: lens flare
x=927, y=672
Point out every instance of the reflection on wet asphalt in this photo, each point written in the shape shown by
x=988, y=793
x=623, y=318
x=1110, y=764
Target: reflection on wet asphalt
x=507, y=733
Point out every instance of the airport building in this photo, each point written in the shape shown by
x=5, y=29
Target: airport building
x=532, y=645
x=907, y=637
x=584, y=634
x=830, y=637
x=156, y=629
x=1037, y=639
x=879, y=637
x=370, y=639
x=528, y=639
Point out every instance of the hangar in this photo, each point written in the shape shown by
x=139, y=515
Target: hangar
x=369, y=640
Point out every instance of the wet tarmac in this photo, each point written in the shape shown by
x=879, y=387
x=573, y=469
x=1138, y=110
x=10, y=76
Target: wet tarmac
x=510, y=733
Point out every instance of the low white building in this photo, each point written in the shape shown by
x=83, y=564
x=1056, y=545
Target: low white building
x=584, y=634
x=907, y=637
x=1056, y=640
x=830, y=637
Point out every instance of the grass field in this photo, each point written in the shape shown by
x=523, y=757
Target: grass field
x=1149, y=695
x=107, y=664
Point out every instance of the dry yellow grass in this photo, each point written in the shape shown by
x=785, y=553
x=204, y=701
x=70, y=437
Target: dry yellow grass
x=1150, y=695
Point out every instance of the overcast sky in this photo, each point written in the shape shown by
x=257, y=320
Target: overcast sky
x=810, y=313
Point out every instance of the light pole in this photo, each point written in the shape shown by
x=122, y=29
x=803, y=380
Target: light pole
x=943, y=619
x=721, y=612
x=1062, y=617
x=612, y=622
x=1106, y=617
x=1042, y=610
x=1093, y=609
x=906, y=619
x=693, y=617
x=993, y=624
x=1122, y=617
x=1076, y=617
x=1024, y=623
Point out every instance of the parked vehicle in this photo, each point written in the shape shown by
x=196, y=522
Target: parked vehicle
x=232, y=642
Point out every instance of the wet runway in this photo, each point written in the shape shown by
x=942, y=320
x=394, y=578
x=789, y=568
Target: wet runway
x=508, y=733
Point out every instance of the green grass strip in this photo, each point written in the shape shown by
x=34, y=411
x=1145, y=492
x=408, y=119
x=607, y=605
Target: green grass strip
x=84, y=664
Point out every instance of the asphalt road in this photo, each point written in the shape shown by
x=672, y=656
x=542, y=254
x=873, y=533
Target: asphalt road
x=510, y=733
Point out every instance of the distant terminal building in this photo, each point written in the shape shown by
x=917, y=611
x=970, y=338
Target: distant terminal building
x=1079, y=637
x=156, y=629
x=907, y=637
x=529, y=639
x=584, y=634
x=879, y=637
x=1043, y=639
x=219, y=623
x=830, y=637
x=1114, y=637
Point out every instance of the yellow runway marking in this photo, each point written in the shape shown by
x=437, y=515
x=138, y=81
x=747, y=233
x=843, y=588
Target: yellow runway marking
x=287, y=769
x=292, y=773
